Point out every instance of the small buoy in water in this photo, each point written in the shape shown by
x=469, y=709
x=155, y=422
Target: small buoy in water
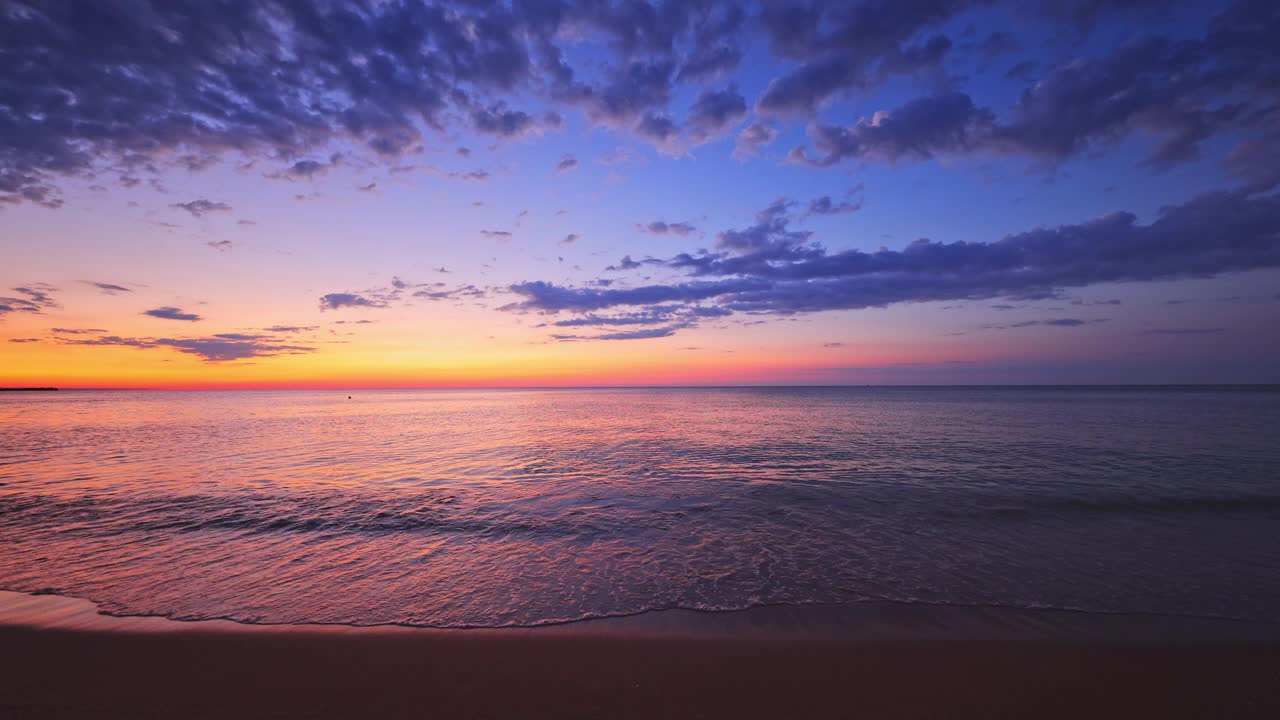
x=348, y=397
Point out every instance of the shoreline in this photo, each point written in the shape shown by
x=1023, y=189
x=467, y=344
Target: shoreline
x=862, y=621
x=63, y=659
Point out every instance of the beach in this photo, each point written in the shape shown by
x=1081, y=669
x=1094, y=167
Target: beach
x=61, y=659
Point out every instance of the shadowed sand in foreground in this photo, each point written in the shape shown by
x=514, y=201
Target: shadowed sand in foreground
x=62, y=659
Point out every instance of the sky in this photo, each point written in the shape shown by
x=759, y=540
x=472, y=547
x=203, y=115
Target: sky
x=229, y=194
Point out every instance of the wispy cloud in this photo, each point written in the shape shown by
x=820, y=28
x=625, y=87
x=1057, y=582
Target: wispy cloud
x=224, y=347
x=567, y=163
x=337, y=301
x=34, y=298
x=662, y=227
x=109, y=288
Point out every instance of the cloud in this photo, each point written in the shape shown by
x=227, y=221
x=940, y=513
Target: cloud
x=849, y=47
x=182, y=83
x=570, y=239
x=24, y=340
x=131, y=90
x=567, y=163
x=225, y=347
x=220, y=245
x=713, y=112
x=626, y=263
x=290, y=328
x=463, y=291
x=308, y=169
x=35, y=298
x=752, y=138
x=1055, y=322
x=78, y=331
x=660, y=130
x=544, y=296
x=768, y=268
x=826, y=206
x=646, y=334
x=1178, y=93
x=768, y=235
x=496, y=234
x=171, y=313
x=948, y=123
x=662, y=227
x=498, y=120
x=198, y=208
x=682, y=315
x=337, y=301
x=108, y=288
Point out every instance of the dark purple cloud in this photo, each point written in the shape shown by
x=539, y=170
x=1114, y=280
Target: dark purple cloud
x=109, y=288
x=940, y=124
x=545, y=296
x=1054, y=322
x=225, y=347
x=498, y=120
x=34, y=298
x=198, y=208
x=850, y=46
x=124, y=89
x=713, y=112
x=337, y=301
x=826, y=206
x=770, y=269
x=1179, y=93
x=567, y=163
x=171, y=313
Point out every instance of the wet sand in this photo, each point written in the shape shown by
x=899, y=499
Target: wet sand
x=59, y=658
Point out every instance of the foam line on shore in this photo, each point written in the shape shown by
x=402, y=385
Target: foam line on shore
x=860, y=622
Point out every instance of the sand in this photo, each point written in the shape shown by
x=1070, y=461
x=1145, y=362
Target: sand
x=59, y=658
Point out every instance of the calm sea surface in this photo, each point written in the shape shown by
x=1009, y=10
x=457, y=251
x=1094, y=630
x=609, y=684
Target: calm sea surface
x=492, y=508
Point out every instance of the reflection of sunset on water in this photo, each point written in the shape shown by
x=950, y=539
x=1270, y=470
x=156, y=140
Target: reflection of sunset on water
x=525, y=507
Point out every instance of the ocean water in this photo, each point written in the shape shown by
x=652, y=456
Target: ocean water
x=511, y=507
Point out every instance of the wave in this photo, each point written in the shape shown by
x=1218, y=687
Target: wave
x=838, y=611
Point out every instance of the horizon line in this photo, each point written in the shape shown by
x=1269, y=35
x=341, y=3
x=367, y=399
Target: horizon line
x=643, y=387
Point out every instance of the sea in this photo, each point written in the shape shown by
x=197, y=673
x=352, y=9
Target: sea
x=495, y=508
